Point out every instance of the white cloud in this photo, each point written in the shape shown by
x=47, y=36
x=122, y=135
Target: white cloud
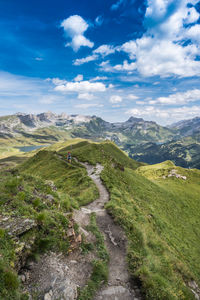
x=115, y=99
x=164, y=57
x=81, y=87
x=26, y=94
x=130, y=48
x=165, y=116
x=104, y=50
x=193, y=33
x=99, y=78
x=125, y=66
x=39, y=58
x=86, y=96
x=161, y=51
x=75, y=27
x=78, y=77
x=57, y=81
x=192, y=16
x=81, y=61
x=88, y=105
x=179, y=98
x=101, y=51
x=132, y=97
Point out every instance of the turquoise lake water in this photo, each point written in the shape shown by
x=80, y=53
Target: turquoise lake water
x=30, y=148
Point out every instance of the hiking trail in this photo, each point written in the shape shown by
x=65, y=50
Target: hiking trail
x=119, y=286
x=57, y=276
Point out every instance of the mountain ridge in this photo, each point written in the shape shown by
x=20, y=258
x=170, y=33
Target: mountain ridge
x=142, y=140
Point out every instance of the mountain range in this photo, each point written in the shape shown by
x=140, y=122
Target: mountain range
x=145, y=141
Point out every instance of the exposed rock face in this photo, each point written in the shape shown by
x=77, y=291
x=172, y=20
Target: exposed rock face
x=195, y=289
x=173, y=173
x=29, y=122
x=16, y=226
x=56, y=276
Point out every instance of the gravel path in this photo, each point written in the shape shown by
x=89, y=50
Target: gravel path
x=119, y=287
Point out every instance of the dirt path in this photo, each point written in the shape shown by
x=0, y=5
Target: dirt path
x=119, y=287
x=57, y=276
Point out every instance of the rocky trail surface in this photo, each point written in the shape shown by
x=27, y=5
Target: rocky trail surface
x=119, y=285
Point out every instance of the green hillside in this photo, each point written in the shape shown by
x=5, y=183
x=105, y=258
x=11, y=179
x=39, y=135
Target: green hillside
x=158, y=206
x=159, y=217
x=183, y=152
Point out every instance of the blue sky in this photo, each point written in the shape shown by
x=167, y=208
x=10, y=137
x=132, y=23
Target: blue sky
x=111, y=58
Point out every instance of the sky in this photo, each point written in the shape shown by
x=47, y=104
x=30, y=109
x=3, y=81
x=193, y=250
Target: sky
x=110, y=58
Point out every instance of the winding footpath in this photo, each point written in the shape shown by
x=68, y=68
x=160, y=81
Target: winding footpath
x=119, y=286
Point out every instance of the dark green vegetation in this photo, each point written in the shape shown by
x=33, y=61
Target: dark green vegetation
x=184, y=152
x=161, y=219
x=159, y=214
x=99, y=274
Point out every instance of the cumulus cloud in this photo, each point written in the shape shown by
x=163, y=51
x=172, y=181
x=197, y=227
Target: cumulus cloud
x=81, y=87
x=78, y=77
x=125, y=66
x=74, y=28
x=115, y=99
x=193, y=33
x=192, y=16
x=165, y=48
x=178, y=98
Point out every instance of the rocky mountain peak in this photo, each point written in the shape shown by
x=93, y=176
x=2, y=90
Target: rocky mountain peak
x=134, y=120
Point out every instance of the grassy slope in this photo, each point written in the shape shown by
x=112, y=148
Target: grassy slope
x=71, y=179
x=25, y=193
x=25, y=196
x=105, y=152
x=161, y=219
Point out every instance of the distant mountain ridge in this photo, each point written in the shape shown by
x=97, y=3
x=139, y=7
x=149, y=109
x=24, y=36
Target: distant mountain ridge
x=132, y=131
x=143, y=140
x=187, y=127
